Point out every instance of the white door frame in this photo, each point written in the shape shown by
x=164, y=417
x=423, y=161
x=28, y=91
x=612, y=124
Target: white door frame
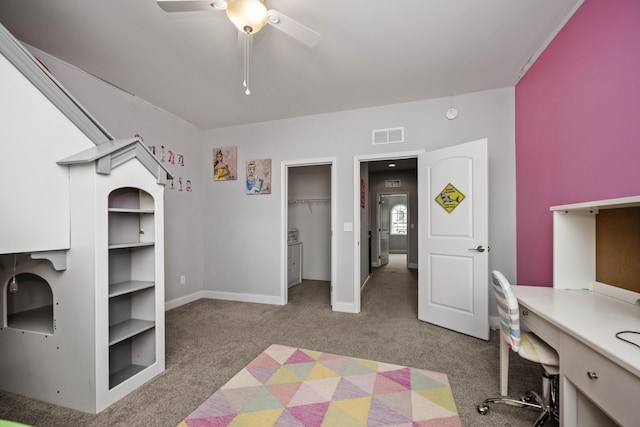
x=356, y=211
x=284, y=219
x=380, y=224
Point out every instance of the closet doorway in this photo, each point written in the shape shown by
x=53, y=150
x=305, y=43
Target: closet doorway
x=308, y=255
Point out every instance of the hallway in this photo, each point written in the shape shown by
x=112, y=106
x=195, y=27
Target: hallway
x=393, y=288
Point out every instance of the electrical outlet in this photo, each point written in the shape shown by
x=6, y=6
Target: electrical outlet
x=183, y=279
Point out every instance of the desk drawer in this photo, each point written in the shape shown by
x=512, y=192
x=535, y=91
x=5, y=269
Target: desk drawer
x=615, y=390
x=545, y=330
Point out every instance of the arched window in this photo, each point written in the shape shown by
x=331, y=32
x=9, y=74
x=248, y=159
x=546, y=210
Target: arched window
x=399, y=219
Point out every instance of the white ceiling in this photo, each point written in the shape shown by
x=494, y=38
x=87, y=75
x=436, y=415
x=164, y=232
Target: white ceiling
x=370, y=52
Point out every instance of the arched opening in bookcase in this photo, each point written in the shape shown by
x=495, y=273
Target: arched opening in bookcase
x=30, y=307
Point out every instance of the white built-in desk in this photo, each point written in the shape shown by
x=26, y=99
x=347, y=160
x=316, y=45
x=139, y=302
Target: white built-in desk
x=595, y=366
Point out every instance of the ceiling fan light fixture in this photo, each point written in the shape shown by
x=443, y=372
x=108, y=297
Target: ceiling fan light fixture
x=249, y=16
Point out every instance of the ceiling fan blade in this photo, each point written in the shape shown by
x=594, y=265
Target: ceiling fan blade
x=191, y=5
x=293, y=28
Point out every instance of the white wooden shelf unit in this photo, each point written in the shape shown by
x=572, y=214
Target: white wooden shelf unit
x=574, y=246
x=131, y=284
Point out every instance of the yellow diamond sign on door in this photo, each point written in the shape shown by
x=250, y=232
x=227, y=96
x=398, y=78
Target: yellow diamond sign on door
x=449, y=198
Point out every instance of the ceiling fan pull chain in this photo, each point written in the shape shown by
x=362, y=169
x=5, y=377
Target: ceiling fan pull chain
x=248, y=43
x=244, y=60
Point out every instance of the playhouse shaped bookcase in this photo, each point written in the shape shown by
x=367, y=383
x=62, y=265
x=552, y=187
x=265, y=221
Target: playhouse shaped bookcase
x=82, y=241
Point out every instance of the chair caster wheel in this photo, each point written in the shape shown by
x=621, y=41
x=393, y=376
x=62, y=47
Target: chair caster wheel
x=482, y=409
x=528, y=398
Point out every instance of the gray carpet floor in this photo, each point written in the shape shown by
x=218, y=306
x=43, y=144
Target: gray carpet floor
x=208, y=341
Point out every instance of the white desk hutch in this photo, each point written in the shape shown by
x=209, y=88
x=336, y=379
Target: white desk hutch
x=595, y=297
x=83, y=237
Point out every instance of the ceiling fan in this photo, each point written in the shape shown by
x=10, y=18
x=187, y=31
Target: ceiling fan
x=249, y=17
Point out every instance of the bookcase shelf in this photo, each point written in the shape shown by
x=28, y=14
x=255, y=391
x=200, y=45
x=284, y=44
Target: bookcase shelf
x=129, y=286
x=124, y=374
x=129, y=210
x=130, y=245
x=127, y=329
x=132, y=355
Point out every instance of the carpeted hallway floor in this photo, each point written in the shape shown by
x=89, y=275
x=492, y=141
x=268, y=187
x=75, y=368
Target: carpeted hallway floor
x=208, y=341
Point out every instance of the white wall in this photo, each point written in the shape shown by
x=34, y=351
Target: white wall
x=125, y=115
x=241, y=236
x=243, y=242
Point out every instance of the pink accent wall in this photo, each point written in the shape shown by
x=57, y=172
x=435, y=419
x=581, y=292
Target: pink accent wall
x=577, y=126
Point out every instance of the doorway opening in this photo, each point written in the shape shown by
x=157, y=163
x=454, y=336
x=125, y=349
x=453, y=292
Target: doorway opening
x=308, y=224
x=385, y=181
x=454, y=292
x=392, y=228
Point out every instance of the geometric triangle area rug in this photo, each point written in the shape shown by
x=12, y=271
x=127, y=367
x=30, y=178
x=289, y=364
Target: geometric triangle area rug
x=293, y=387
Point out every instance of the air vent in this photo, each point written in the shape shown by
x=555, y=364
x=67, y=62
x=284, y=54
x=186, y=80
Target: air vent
x=392, y=183
x=388, y=136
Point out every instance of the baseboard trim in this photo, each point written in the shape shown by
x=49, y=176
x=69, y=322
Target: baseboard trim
x=319, y=278
x=232, y=296
x=365, y=282
x=177, y=302
x=494, y=322
x=225, y=296
x=412, y=265
x=344, y=307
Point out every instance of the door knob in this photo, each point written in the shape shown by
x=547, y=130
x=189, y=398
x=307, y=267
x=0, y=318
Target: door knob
x=479, y=249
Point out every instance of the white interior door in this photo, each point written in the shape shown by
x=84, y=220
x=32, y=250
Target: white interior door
x=383, y=230
x=453, y=245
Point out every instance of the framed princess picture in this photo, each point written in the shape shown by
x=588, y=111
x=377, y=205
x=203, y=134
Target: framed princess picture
x=225, y=164
x=258, y=176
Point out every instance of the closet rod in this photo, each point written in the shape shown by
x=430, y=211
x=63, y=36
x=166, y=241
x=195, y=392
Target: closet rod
x=304, y=201
x=308, y=202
